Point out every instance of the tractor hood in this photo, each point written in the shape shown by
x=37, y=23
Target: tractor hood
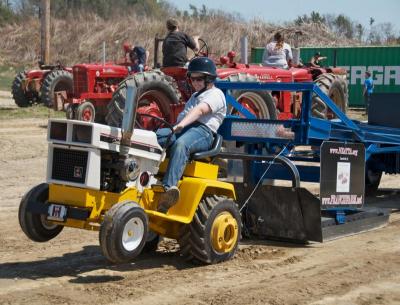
x=264, y=74
x=107, y=69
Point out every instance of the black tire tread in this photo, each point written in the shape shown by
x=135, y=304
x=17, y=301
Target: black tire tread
x=30, y=223
x=154, y=78
x=109, y=231
x=18, y=94
x=50, y=82
x=325, y=82
x=193, y=240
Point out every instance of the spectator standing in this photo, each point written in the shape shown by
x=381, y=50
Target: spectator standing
x=368, y=89
x=278, y=53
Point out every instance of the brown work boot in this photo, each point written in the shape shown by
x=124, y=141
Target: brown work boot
x=168, y=199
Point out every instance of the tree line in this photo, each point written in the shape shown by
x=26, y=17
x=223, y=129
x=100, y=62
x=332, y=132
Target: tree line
x=373, y=34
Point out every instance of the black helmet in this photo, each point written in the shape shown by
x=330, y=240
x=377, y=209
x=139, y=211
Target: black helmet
x=202, y=65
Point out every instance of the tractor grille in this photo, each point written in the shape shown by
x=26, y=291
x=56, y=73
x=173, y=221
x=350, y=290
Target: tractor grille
x=69, y=165
x=80, y=81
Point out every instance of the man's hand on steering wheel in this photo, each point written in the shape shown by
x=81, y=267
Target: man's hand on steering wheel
x=178, y=128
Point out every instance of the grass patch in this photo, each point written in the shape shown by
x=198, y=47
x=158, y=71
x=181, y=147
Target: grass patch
x=36, y=112
x=7, y=75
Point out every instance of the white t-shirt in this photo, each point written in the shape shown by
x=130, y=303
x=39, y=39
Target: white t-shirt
x=274, y=57
x=215, y=98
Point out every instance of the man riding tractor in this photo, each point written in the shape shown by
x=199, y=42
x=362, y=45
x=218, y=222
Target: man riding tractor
x=196, y=125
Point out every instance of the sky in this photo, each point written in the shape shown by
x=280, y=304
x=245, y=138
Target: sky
x=280, y=11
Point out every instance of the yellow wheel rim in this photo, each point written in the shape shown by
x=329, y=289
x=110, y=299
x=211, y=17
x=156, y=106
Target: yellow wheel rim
x=224, y=232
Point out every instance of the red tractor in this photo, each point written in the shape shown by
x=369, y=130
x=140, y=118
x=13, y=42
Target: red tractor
x=93, y=87
x=39, y=86
x=164, y=92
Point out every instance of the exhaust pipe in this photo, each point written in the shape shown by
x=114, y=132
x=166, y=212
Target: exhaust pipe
x=129, y=118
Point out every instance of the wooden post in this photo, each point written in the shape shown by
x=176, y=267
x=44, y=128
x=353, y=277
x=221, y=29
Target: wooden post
x=45, y=31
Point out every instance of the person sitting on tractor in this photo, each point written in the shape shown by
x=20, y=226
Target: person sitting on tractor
x=195, y=127
x=175, y=45
x=278, y=53
x=137, y=56
x=315, y=60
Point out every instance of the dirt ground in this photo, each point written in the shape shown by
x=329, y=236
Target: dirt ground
x=358, y=269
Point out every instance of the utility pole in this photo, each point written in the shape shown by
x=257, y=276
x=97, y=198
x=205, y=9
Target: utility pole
x=45, y=31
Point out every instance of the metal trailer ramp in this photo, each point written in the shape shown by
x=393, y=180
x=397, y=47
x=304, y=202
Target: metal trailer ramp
x=294, y=214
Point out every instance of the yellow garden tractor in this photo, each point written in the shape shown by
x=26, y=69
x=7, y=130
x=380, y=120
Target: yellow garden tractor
x=107, y=179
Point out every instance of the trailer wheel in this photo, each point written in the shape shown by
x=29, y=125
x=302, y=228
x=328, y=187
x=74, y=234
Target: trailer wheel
x=56, y=80
x=336, y=88
x=372, y=180
x=259, y=103
x=85, y=112
x=35, y=226
x=156, y=91
x=214, y=233
x=18, y=93
x=123, y=233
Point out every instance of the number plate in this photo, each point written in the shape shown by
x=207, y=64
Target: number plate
x=57, y=212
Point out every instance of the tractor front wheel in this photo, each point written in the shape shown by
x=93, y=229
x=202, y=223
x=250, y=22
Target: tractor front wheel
x=85, y=112
x=214, y=233
x=123, y=233
x=35, y=226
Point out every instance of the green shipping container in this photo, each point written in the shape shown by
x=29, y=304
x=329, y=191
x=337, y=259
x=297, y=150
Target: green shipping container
x=383, y=62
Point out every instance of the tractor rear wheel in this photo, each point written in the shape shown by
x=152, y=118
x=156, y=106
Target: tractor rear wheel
x=156, y=91
x=35, y=226
x=214, y=233
x=259, y=103
x=123, y=233
x=336, y=88
x=56, y=80
x=18, y=93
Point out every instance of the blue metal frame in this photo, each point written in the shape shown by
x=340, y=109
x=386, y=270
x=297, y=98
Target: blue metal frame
x=309, y=130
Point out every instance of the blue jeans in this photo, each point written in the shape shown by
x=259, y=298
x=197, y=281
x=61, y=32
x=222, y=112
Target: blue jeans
x=192, y=139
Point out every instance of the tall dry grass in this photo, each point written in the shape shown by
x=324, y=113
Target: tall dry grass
x=79, y=38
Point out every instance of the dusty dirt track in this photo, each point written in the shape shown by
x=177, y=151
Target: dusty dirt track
x=360, y=269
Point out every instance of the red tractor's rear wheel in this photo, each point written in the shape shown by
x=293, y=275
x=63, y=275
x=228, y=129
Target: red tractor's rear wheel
x=157, y=92
x=56, y=80
x=336, y=88
x=259, y=103
x=18, y=93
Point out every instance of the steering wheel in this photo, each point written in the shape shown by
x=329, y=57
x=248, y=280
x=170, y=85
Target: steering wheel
x=203, y=49
x=161, y=122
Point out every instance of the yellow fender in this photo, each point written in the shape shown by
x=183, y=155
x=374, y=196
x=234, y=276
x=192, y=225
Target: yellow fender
x=191, y=192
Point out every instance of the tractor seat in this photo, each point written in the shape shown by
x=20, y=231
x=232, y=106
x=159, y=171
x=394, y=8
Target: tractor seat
x=213, y=151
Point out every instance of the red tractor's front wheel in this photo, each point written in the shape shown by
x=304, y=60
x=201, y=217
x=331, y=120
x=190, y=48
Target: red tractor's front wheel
x=85, y=112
